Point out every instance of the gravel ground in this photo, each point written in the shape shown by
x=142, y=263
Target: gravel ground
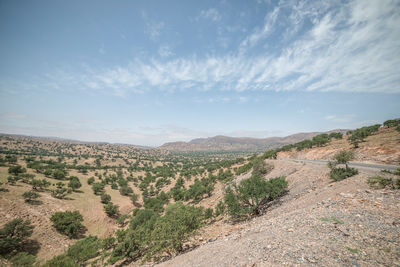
x=318, y=223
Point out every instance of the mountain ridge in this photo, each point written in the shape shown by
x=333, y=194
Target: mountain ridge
x=227, y=143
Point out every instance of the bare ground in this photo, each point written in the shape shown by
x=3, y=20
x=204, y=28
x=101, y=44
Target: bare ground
x=318, y=223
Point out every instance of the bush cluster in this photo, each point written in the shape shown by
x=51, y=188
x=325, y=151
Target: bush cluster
x=338, y=173
x=151, y=235
x=359, y=135
x=252, y=196
x=68, y=223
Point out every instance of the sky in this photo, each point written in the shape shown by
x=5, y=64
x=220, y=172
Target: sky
x=150, y=72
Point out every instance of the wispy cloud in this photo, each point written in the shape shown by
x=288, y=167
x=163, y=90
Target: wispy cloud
x=341, y=119
x=350, y=47
x=152, y=27
x=165, y=51
x=262, y=33
x=210, y=14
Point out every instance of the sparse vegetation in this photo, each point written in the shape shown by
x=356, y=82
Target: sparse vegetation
x=148, y=182
x=380, y=182
x=359, y=135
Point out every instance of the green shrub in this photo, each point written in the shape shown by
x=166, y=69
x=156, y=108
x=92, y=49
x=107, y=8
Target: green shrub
x=105, y=198
x=252, y=195
x=122, y=220
x=155, y=204
x=320, y=140
x=125, y=190
x=84, y=249
x=358, y=135
x=220, y=209
x=98, y=188
x=60, y=192
x=338, y=174
x=77, y=254
x=59, y=174
x=392, y=123
x=14, y=234
x=90, y=180
x=153, y=236
x=74, y=183
x=172, y=229
x=342, y=157
x=17, y=169
x=108, y=243
x=68, y=223
x=260, y=167
x=208, y=213
x=134, y=198
x=23, y=259
x=30, y=196
x=111, y=210
x=62, y=260
x=379, y=182
x=114, y=186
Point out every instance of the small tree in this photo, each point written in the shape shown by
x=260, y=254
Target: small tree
x=29, y=196
x=90, y=180
x=252, y=195
x=98, y=188
x=343, y=157
x=111, y=210
x=59, y=174
x=105, y=198
x=68, y=223
x=125, y=190
x=17, y=169
x=23, y=259
x=74, y=183
x=14, y=234
x=134, y=198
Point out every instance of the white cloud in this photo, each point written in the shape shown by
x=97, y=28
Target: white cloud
x=165, y=51
x=210, y=14
x=262, y=33
x=341, y=119
x=154, y=29
x=350, y=47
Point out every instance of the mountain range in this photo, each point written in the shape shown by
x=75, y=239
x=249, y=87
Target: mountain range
x=226, y=143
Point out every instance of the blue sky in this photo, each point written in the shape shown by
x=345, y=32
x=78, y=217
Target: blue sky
x=149, y=72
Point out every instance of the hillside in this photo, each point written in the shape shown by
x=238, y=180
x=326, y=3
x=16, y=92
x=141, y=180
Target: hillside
x=226, y=143
x=316, y=222
x=381, y=147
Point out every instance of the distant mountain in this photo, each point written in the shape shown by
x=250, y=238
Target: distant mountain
x=226, y=143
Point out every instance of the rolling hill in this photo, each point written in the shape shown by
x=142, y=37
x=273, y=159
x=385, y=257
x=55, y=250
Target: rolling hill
x=226, y=143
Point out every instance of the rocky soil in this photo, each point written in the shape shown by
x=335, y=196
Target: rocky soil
x=382, y=147
x=317, y=223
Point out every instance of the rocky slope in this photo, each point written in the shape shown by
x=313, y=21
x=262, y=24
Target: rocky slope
x=318, y=223
x=381, y=147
